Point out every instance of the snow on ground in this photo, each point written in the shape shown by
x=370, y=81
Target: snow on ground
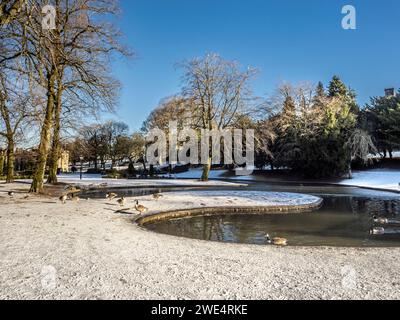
x=86, y=250
x=197, y=199
x=384, y=179
x=97, y=180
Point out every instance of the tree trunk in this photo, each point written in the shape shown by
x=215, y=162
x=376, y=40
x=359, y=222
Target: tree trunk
x=56, y=147
x=45, y=135
x=206, y=170
x=10, y=160
x=1, y=162
x=5, y=114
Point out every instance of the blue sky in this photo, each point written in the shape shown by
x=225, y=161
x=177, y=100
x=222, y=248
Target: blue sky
x=288, y=40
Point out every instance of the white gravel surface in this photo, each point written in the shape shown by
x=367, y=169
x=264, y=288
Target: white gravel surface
x=87, y=251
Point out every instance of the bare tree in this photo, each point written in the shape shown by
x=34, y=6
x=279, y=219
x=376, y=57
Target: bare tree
x=175, y=108
x=113, y=131
x=73, y=59
x=360, y=146
x=14, y=109
x=219, y=91
x=137, y=151
x=93, y=144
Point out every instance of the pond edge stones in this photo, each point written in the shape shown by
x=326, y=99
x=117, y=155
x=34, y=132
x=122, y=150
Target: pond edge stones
x=197, y=203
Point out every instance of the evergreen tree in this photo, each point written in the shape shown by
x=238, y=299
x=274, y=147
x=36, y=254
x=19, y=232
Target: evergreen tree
x=337, y=88
x=320, y=90
x=383, y=123
x=289, y=107
x=315, y=144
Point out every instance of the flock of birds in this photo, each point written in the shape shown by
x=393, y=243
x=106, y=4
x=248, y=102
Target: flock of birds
x=122, y=202
x=71, y=194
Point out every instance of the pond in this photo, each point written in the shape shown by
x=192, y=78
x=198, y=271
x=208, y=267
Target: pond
x=345, y=220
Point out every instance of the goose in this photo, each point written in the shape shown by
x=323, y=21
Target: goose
x=268, y=239
x=279, y=242
x=70, y=187
x=380, y=220
x=121, y=201
x=63, y=198
x=157, y=196
x=111, y=195
x=377, y=231
x=138, y=207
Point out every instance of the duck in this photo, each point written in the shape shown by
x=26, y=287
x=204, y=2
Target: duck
x=380, y=220
x=142, y=209
x=157, y=196
x=121, y=201
x=279, y=242
x=377, y=231
x=63, y=198
x=111, y=195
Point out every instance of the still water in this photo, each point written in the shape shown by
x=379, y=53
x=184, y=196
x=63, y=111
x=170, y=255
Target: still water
x=344, y=220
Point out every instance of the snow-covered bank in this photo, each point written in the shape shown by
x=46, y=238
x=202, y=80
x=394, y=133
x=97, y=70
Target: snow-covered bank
x=86, y=250
x=227, y=199
x=381, y=179
x=385, y=179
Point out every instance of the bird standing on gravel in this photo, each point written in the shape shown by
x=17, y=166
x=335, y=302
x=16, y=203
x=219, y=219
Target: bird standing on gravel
x=157, y=196
x=121, y=201
x=142, y=209
x=63, y=198
x=111, y=196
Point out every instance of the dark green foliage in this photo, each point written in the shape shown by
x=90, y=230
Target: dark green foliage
x=337, y=88
x=382, y=119
x=313, y=141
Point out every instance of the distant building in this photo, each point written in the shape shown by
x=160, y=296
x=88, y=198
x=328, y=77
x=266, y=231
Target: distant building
x=390, y=92
x=63, y=162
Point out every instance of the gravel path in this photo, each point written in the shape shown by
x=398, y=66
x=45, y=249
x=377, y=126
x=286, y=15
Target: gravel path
x=86, y=251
